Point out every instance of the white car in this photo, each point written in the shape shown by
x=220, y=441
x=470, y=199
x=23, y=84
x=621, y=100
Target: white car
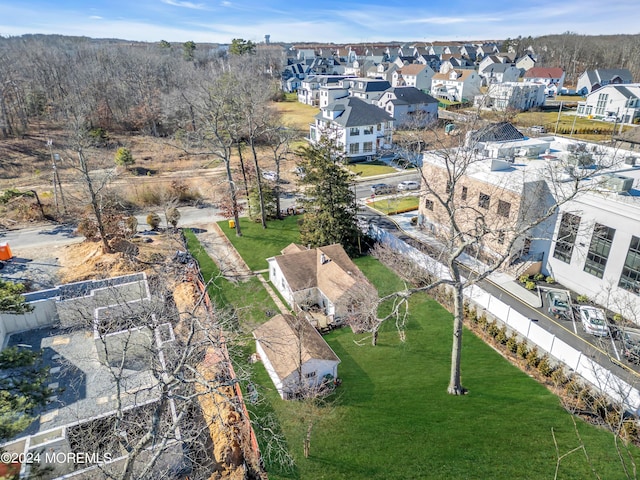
x=269, y=175
x=408, y=185
x=594, y=321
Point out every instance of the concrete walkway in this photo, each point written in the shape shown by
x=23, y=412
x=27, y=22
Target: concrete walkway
x=229, y=261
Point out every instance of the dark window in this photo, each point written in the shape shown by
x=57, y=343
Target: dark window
x=354, y=131
x=428, y=204
x=368, y=130
x=464, y=193
x=484, y=200
x=566, y=237
x=630, y=278
x=501, y=238
x=599, y=250
x=504, y=208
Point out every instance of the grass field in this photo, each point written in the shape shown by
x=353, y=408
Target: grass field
x=567, y=123
x=249, y=300
x=370, y=169
x=392, y=419
x=298, y=115
x=257, y=244
x=392, y=204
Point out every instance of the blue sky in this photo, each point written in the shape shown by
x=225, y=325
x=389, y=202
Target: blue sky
x=346, y=21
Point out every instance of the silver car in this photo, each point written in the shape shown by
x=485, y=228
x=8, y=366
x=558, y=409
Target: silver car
x=408, y=185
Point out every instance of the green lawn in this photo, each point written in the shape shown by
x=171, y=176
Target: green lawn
x=257, y=244
x=370, y=169
x=249, y=300
x=393, y=419
x=391, y=205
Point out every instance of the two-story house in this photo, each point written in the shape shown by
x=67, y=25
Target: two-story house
x=552, y=78
x=361, y=129
x=512, y=95
x=409, y=106
x=619, y=102
x=415, y=75
x=368, y=89
x=594, y=79
x=456, y=85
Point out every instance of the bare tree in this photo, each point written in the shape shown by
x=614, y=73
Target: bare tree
x=485, y=220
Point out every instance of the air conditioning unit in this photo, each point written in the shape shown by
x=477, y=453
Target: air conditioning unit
x=630, y=161
x=617, y=183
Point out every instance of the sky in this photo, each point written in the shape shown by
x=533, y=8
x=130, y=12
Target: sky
x=337, y=21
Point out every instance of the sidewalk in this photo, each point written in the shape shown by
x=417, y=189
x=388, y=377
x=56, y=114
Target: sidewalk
x=506, y=282
x=229, y=261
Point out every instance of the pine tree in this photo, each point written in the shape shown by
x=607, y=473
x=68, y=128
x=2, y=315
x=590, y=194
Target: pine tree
x=330, y=207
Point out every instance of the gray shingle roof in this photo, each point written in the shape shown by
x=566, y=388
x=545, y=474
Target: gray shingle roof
x=497, y=132
x=357, y=113
x=411, y=95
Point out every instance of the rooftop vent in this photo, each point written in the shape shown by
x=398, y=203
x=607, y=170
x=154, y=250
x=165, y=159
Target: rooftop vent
x=617, y=183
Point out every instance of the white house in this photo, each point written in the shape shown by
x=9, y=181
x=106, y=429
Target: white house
x=456, y=85
x=596, y=248
x=309, y=89
x=330, y=93
x=368, y=89
x=322, y=280
x=360, y=128
x=409, y=106
x=594, y=79
x=499, y=73
x=295, y=355
x=552, y=78
x=525, y=63
x=620, y=102
x=414, y=75
x=512, y=95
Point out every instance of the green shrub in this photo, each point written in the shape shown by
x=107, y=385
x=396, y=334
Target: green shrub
x=512, y=343
x=501, y=336
x=523, y=278
x=532, y=357
x=550, y=279
x=482, y=321
x=472, y=316
x=582, y=299
x=493, y=329
x=544, y=366
x=617, y=318
x=522, y=349
x=123, y=157
x=530, y=285
x=153, y=220
x=558, y=377
x=538, y=277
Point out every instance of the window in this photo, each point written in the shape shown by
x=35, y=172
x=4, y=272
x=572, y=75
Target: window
x=367, y=147
x=465, y=190
x=368, y=130
x=501, y=238
x=428, y=204
x=354, y=148
x=379, y=127
x=310, y=374
x=484, y=200
x=566, y=237
x=599, y=250
x=353, y=131
x=504, y=208
x=630, y=278
x=602, y=103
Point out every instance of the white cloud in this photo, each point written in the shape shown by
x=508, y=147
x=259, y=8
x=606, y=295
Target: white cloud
x=95, y=17
x=180, y=3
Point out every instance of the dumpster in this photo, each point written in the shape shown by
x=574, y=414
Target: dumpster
x=232, y=224
x=5, y=251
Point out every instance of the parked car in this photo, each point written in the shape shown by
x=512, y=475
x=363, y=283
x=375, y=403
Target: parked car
x=559, y=303
x=538, y=129
x=269, y=175
x=408, y=185
x=381, y=188
x=594, y=321
x=631, y=344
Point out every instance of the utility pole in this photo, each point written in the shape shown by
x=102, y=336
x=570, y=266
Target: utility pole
x=558, y=120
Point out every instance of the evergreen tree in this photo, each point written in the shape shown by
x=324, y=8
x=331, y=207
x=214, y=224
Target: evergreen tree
x=330, y=207
x=240, y=46
x=11, y=299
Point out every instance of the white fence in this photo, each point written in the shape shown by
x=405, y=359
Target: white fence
x=594, y=373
